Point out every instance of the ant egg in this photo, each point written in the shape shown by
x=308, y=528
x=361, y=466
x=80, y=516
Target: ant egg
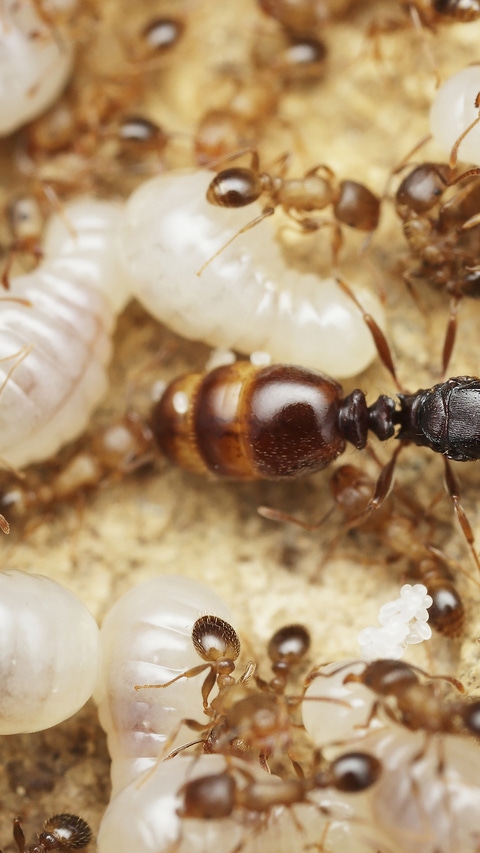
x=55, y=344
x=146, y=816
x=453, y=110
x=49, y=657
x=147, y=638
x=35, y=63
x=246, y=298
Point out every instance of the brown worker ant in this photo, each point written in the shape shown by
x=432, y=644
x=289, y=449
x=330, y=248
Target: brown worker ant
x=352, y=203
x=218, y=795
x=442, y=230
x=411, y=697
x=60, y=832
x=243, y=716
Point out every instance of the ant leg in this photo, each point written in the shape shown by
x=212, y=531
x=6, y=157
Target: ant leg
x=450, y=334
x=453, y=489
x=379, y=339
x=269, y=211
x=190, y=673
x=18, y=834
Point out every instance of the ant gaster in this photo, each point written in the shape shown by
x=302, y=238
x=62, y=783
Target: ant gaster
x=60, y=832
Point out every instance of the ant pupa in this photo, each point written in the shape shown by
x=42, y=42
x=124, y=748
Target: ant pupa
x=60, y=832
x=283, y=815
x=72, y=298
x=35, y=64
x=247, y=297
x=147, y=636
x=49, y=657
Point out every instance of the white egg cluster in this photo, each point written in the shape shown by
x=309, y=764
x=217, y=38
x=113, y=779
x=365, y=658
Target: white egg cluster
x=403, y=622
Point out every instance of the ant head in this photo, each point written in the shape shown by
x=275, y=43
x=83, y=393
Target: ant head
x=289, y=645
x=386, y=676
x=215, y=640
x=235, y=187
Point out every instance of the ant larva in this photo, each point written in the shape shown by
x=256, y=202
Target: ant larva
x=148, y=634
x=247, y=298
x=352, y=203
x=34, y=65
x=454, y=112
x=72, y=298
x=427, y=772
x=283, y=421
x=49, y=655
x=155, y=804
x=60, y=832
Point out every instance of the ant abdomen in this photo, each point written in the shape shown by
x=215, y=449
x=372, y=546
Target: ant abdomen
x=242, y=422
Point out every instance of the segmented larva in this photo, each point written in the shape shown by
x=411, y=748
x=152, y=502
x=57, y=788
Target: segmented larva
x=49, y=653
x=428, y=799
x=146, y=638
x=246, y=298
x=453, y=110
x=35, y=62
x=54, y=350
x=146, y=816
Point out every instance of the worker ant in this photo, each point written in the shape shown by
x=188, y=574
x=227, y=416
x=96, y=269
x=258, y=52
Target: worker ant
x=60, y=832
x=352, y=203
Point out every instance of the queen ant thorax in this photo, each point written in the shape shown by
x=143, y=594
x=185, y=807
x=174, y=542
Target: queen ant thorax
x=61, y=832
x=352, y=203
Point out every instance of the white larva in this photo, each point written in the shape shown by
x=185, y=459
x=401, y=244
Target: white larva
x=53, y=352
x=247, y=298
x=146, y=638
x=453, y=110
x=35, y=63
x=49, y=653
x=144, y=816
x=428, y=798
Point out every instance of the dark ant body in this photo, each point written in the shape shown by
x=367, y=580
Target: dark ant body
x=352, y=203
x=352, y=489
x=219, y=794
x=433, y=12
x=443, y=234
x=61, y=832
x=411, y=697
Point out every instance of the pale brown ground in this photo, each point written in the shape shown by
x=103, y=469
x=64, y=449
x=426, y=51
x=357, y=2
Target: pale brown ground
x=361, y=119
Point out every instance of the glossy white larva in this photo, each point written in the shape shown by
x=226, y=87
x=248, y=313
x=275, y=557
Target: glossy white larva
x=48, y=655
x=146, y=638
x=144, y=816
x=453, y=110
x=35, y=63
x=54, y=351
x=247, y=298
x=428, y=798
